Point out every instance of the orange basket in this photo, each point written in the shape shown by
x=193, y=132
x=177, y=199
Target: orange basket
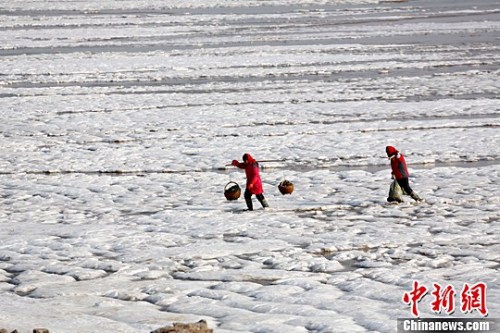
x=232, y=192
x=285, y=187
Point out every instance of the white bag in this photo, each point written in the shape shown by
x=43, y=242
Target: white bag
x=395, y=192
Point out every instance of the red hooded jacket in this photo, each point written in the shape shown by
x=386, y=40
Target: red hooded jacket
x=254, y=183
x=398, y=163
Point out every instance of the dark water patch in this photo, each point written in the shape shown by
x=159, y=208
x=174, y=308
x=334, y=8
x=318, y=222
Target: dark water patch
x=439, y=8
x=349, y=120
x=427, y=128
x=313, y=75
x=144, y=46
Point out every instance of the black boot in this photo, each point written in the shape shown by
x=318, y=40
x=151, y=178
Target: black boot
x=415, y=196
x=248, y=200
x=262, y=201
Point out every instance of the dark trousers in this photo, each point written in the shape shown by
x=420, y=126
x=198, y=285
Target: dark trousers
x=260, y=197
x=405, y=185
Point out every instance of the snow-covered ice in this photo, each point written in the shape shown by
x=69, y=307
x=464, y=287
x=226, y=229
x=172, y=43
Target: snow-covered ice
x=119, y=119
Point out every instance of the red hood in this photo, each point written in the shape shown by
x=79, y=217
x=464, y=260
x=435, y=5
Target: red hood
x=391, y=151
x=250, y=159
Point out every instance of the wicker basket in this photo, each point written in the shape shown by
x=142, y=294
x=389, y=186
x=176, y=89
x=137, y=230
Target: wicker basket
x=285, y=187
x=232, y=192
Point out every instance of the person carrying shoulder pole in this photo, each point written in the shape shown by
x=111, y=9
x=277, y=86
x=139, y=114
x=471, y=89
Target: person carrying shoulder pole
x=254, y=182
x=400, y=171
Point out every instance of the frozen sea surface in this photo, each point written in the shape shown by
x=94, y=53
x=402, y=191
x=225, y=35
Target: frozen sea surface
x=119, y=119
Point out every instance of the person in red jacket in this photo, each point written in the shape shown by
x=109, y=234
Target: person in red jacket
x=254, y=183
x=400, y=171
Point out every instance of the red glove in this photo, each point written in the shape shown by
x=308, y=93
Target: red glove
x=235, y=162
